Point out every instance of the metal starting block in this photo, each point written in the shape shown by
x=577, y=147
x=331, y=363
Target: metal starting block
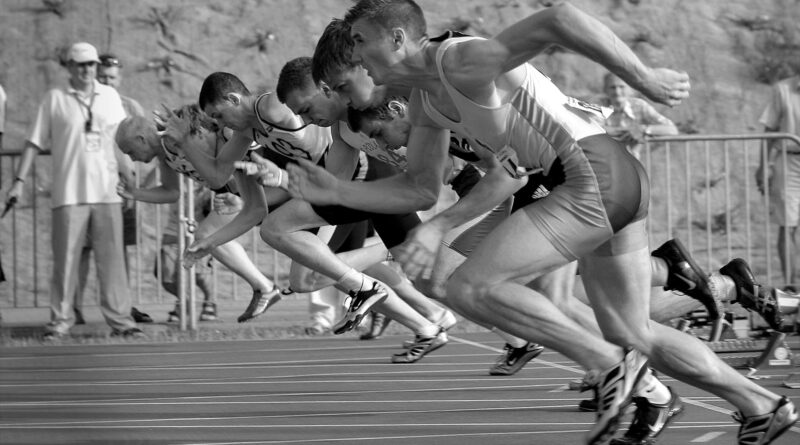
x=756, y=355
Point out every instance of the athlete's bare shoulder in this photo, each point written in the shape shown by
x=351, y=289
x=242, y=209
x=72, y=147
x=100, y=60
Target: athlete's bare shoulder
x=273, y=111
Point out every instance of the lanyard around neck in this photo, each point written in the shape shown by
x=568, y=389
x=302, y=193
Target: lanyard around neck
x=87, y=127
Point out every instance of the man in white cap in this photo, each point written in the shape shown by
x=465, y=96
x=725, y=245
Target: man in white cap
x=77, y=123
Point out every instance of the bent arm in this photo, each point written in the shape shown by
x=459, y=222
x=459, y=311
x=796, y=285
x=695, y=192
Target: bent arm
x=215, y=170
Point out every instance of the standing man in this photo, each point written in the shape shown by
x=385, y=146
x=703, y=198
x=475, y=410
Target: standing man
x=77, y=123
x=783, y=175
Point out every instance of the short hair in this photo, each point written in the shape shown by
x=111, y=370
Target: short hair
x=218, y=85
x=295, y=75
x=390, y=14
x=333, y=52
x=385, y=111
x=133, y=126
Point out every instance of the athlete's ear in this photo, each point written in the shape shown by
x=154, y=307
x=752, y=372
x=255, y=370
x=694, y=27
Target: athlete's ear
x=398, y=37
x=234, y=98
x=325, y=89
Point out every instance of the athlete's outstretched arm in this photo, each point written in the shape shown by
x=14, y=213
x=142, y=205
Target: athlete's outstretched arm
x=252, y=213
x=569, y=27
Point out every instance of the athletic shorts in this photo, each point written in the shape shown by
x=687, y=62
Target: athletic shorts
x=392, y=229
x=601, y=206
x=785, y=191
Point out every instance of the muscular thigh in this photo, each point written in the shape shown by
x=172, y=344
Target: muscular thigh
x=293, y=216
x=517, y=250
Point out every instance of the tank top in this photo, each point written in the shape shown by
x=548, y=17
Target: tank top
x=309, y=142
x=537, y=125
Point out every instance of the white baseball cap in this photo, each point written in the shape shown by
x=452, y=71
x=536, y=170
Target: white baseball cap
x=82, y=52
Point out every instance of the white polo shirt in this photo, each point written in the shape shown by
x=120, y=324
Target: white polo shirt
x=84, y=166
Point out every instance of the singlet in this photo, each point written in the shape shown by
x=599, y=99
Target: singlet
x=537, y=125
x=371, y=147
x=309, y=142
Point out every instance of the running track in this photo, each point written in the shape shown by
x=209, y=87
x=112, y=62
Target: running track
x=328, y=390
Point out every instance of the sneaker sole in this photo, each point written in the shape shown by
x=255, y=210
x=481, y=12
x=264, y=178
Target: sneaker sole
x=518, y=365
x=348, y=324
x=433, y=348
x=247, y=317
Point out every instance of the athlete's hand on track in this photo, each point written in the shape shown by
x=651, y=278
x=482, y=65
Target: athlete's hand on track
x=312, y=183
x=265, y=171
x=666, y=86
x=418, y=254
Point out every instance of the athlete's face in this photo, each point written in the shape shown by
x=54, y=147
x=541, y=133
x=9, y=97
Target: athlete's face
x=355, y=87
x=137, y=148
x=229, y=112
x=316, y=105
x=392, y=133
x=374, y=48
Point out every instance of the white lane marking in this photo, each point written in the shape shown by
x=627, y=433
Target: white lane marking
x=708, y=437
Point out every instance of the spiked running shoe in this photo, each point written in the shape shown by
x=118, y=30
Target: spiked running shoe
x=614, y=392
x=360, y=303
x=421, y=347
x=513, y=359
x=260, y=303
x=379, y=323
x=650, y=420
x=763, y=429
x=446, y=321
x=685, y=276
x=751, y=295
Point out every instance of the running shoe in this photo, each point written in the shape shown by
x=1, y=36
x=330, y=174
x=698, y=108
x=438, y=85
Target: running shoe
x=751, y=295
x=513, y=359
x=685, y=276
x=260, y=303
x=763, y=429
x=79, y=316
x=173, y=316
x=134, y=333
x=360, y=303
x=650, y=420
x=614, y=392
x=422, y=346
x=140, y=317
x=379, y=323
x=209, y=312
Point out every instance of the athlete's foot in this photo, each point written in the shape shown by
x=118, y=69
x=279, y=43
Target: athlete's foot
x=685, y=276
x=513, y=359
x=751, y=295
x=360, y=303
x=614, y=392
x=650, y=420
x=421, y=347
x=763, y=429
x=259, y=304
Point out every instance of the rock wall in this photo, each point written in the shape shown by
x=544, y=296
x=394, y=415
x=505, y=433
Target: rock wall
x=730, y=48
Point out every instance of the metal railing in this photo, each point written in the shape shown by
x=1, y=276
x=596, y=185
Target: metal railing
x=25, y=246
x=703, y=190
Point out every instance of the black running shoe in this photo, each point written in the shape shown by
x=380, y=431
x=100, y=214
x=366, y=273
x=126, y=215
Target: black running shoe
x=360, y=303
x=589, y=405
x=687, y=277
x=751, y=295
x=650, y=420
x=259, y=304
x=763, y=429
x=513, y=359
x=209, y=312
x=139, y=316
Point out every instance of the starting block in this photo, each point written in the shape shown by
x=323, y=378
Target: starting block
x=756, y=355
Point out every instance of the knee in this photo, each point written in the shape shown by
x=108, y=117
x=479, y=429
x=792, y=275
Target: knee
x=465, y=293
x=629, y=335
x=270, y=232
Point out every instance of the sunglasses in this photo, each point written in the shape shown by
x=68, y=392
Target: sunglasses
x=110, y=61
x=85, y=64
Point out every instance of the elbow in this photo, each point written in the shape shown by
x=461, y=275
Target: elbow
x=426, y=199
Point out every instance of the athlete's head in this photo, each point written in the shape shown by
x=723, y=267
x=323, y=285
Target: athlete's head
x=332, y=64
x=381, y=31
x=133, y=138
x=315, y=103
x=388, y=123
x=221, y=98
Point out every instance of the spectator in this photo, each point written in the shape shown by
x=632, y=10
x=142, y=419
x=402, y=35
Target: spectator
x=783, y=172
x=171, y=261
x=77, y=123
x=109, y=73
x=2, y=130
x=631, y=119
